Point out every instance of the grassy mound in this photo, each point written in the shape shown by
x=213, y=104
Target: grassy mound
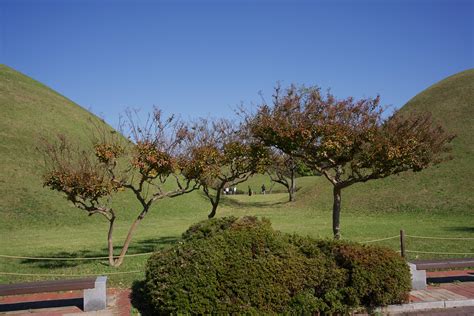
x=37, y=222
x=231, y=265
x=31, y=110
x=448, y=186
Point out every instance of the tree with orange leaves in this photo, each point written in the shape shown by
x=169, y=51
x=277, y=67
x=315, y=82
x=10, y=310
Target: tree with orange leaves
x=346, y=140
x=225, y=155
x=89, y=179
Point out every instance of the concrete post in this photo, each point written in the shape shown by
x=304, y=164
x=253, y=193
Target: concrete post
x=96, y=299
x=418, y=277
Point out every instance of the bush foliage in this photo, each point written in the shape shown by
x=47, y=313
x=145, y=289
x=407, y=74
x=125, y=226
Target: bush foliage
x=378, y=276
x=231, y=265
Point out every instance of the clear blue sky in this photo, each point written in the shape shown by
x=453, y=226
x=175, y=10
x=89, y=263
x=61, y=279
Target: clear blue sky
x=200, y=58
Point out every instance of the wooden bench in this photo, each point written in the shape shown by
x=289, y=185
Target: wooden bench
x=418, y=268
x=95, y=290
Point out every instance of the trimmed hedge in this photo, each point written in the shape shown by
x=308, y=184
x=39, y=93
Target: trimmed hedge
x=378, y=275
x=231, y=265
x=208, y=228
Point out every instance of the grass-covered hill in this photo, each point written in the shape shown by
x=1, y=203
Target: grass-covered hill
x=37, y=222
x=30, y=110
x=451, y=102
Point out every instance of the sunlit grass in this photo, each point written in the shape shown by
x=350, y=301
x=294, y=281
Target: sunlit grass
x=167, y=221
x=37, y=222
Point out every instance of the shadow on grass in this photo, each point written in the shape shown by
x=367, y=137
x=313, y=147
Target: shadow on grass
x=151, y=244
x=229, y=201
x=49, y=263
x=23, y=306
x=73, y=258
x=462, y=229
x=258, y=204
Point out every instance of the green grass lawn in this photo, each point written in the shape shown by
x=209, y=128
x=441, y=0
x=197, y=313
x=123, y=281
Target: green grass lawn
x=37, y=222
x=310, y=215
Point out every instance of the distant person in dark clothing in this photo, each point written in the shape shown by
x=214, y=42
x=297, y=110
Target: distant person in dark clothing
x=250, y=191
x=264, y=190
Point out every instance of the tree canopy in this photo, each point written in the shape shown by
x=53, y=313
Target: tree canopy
x=347, y=140
x=153, y=165
x=225, y=155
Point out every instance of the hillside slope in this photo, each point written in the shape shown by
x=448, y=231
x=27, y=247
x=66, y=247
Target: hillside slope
x=451, y=101
x=31, y=110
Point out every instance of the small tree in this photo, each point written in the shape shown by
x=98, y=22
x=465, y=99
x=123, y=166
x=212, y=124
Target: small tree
x=90, y=178
x=283, y=170
x=225, y=156
x=347, y=141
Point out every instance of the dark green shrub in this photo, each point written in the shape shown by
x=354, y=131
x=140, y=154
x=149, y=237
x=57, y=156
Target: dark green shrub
x=230, y=265
x=246, y=268
x=208, y=228
x=378, y=276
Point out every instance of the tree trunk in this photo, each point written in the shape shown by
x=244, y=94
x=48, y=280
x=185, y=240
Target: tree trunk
x=215, y=203
x=213, y=211
x=110, y=242
x=292, y=188
x=291, y=196
x=126, y=244
x=336, y=212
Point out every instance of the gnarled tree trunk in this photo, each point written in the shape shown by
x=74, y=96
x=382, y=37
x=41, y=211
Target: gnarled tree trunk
x=292, y=186
x=214, y=200
x=118, y=261
x=336, y=212
x=110, y=242
x=214, y=209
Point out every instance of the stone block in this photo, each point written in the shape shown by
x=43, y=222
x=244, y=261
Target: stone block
x=96, y=299
x=418, y=277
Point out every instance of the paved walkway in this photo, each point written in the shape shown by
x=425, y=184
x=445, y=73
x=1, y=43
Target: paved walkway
x=446, y=286
x=450, y=293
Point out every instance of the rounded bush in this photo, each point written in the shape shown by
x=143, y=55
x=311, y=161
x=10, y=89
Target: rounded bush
x=378, y=276
x=231, y=265
x=208, y=228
